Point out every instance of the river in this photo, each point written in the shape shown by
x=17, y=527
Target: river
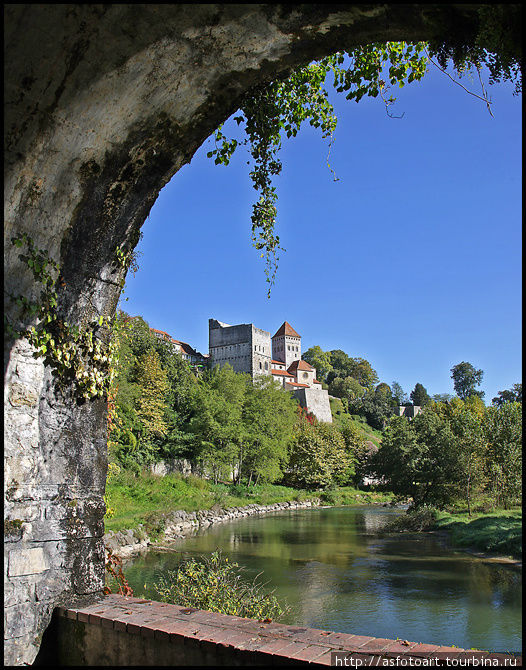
x=338, y=570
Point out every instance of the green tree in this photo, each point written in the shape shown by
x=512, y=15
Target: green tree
x=396, y=461
x=503, y=432
x=419, y=396
x=269, y=419
x=442, y=397
x=465, y=378
x=320, y=360
x=509, y=395
x=318, y=456
x=153, y=384
x=466, y=419
x=399, y=394
x=420, y=458
x=217, y=421
x=377, y=408
x=347, y=388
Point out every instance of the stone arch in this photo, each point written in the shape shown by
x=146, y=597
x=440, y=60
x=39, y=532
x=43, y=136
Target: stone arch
x=104, y=103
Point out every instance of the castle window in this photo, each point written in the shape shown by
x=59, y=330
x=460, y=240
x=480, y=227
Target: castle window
x=260, y=366
x=266, y=366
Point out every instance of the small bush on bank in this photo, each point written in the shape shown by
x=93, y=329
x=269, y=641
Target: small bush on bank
x=414, y=520
x=216, y=585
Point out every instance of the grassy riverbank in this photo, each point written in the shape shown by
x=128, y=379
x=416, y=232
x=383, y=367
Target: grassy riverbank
x=144, y=499
x=498, y=532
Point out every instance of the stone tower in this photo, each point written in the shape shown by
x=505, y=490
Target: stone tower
x=246, y=348
x=286, y=345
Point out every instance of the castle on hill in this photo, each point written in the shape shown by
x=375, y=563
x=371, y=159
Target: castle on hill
x=252, y=351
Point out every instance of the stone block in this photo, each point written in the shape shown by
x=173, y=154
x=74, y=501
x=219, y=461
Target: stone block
x=27, y=561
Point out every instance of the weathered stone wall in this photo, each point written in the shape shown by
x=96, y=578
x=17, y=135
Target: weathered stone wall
x=230, y=344
x=103, y=104
x=261, y=352
x=317, y=402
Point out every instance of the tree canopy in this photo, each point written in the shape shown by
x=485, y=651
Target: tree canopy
x=465, y=378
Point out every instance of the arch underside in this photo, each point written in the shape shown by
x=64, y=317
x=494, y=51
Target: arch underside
x=103, y=105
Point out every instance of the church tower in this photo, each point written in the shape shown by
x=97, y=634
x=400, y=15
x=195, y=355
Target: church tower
x=286, y=345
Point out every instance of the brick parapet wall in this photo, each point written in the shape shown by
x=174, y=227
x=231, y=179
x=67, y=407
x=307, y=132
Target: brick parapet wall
x=128, y=631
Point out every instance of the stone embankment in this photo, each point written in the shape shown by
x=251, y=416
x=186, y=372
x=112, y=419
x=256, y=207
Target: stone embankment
x=179, y=524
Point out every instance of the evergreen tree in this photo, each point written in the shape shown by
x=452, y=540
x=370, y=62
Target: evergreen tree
x=419, y=396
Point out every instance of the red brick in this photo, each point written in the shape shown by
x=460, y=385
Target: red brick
x=346, y=640
x=272, y=645
x=396, y=647
x=310, y=653
x=106, y=623
x=291, y=649
x=95, y=619
x=133, y=628
x=356, y=641
x=236, y=638
x=161, y=635
x=171, y=626
x=147, y=631
x=323, y=660
x=377, y=644
x=442, y=652
x=426, y=650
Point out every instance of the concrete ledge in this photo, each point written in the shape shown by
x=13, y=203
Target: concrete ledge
x=133, y=631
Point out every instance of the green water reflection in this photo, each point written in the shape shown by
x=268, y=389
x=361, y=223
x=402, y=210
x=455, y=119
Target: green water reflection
x=338, y=570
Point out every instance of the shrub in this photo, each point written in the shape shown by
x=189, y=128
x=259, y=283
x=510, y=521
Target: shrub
x=213, y=584
x=414, y=520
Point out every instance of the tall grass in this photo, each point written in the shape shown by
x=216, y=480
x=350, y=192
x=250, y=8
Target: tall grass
x=498, y=532
x=147, y=498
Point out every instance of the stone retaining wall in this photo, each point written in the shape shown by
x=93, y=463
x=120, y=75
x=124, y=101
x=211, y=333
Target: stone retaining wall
x=179, y=524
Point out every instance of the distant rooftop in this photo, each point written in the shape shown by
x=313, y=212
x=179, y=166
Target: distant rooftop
x=286, y=329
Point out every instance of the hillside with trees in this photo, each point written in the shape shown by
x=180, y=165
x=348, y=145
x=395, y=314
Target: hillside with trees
x=455, y=451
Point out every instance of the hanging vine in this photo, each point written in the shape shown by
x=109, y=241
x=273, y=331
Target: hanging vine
x=279, y=108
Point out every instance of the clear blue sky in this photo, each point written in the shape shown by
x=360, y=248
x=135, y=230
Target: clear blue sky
x=411, y=260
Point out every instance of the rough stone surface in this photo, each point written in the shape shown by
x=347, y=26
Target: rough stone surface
x=103, y=104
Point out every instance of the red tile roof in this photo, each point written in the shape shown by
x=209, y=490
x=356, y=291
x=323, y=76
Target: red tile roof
x=277, y=362
x=286, y=329
x=295, y=384
x=161, y=332
x=300, y=365
x=185, y=347
x=281, y=373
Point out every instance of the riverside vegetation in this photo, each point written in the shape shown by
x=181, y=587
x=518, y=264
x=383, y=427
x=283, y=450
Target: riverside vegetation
x=257, y=446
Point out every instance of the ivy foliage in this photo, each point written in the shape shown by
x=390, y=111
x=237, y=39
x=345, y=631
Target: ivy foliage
x=276, y=109
x=81, y=357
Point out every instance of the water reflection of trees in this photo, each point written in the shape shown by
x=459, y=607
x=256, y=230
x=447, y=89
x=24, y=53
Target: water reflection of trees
x=338, y=569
